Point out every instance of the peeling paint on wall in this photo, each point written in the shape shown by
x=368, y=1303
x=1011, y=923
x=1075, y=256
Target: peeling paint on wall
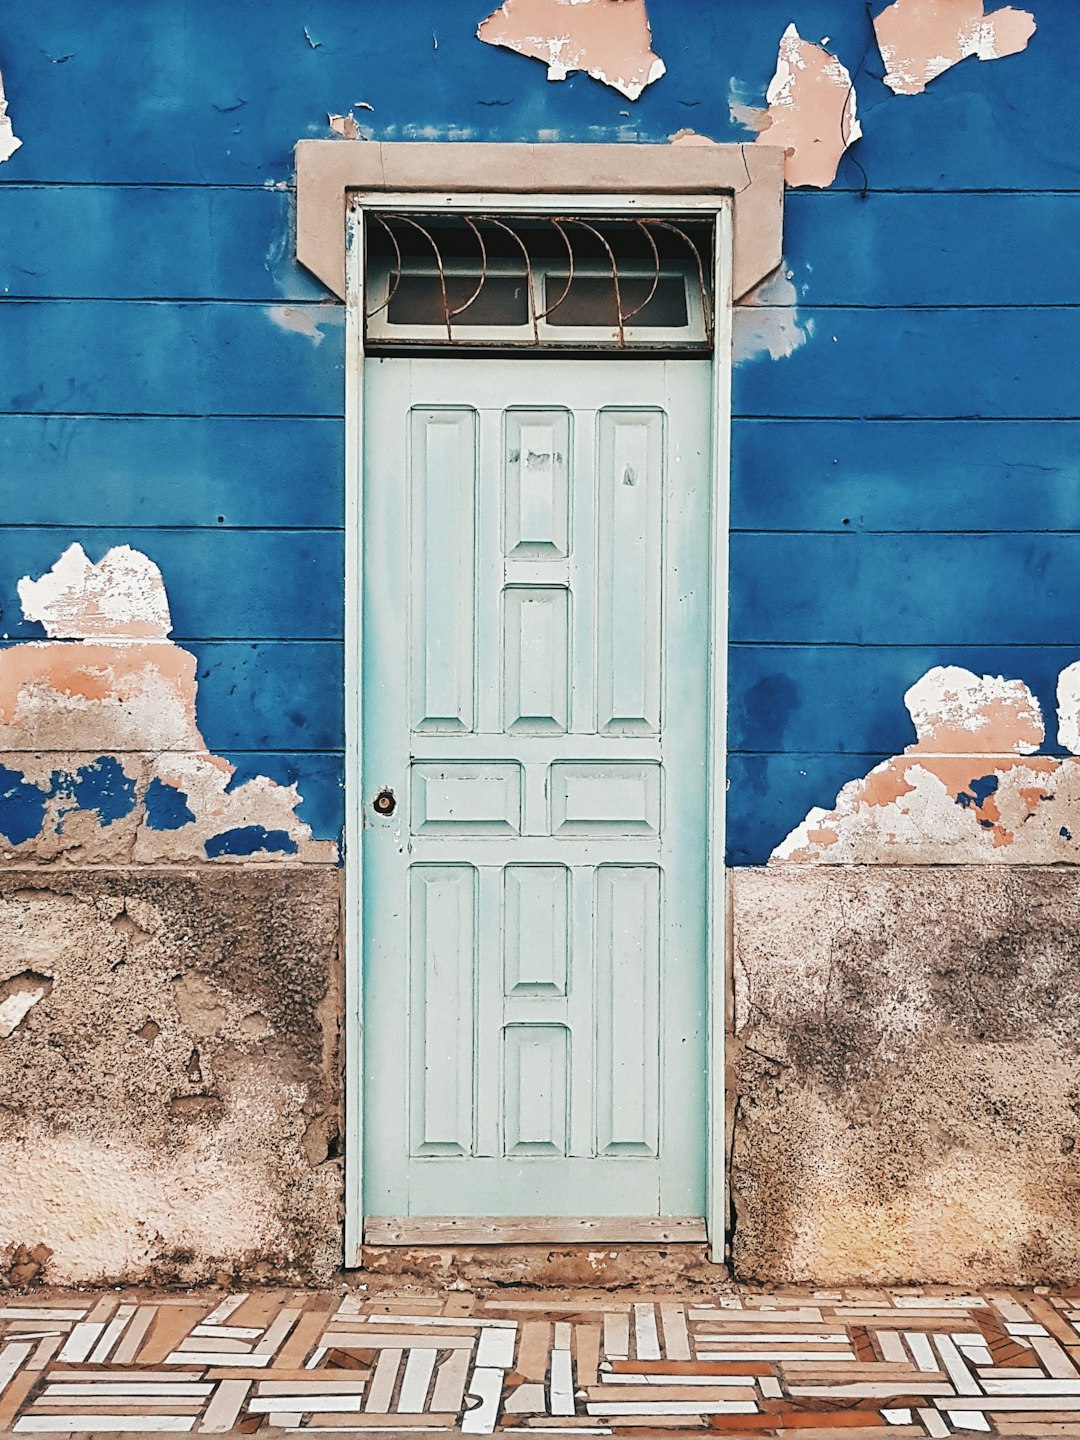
x=9, y=141
x=301, y=320
x=921, y=39
x=766, y=321
x=345, y=126
x=970, y=790
x=103, y=759
x=610, y=39
x=811, y=111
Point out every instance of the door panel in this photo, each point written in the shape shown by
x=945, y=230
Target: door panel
x=534, y=695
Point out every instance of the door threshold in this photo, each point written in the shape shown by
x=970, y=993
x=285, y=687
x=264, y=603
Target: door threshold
x=532, y=1229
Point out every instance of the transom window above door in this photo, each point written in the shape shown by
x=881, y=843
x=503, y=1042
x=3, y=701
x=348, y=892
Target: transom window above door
x=561, y=282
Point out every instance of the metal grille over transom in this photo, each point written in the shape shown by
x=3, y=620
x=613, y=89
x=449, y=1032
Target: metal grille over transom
x=483, y=281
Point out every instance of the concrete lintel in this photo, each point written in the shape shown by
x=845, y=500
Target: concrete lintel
x=327, y=170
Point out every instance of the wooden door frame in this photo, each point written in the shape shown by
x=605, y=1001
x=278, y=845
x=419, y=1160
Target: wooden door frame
x=754, y=260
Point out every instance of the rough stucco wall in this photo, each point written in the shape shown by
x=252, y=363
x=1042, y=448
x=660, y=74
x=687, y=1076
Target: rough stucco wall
x=170, y=1094
x=905, y=1076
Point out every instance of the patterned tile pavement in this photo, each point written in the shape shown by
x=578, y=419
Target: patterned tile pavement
x=851, y=1364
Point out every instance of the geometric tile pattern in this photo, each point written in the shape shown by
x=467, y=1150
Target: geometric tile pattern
x=851, y=1364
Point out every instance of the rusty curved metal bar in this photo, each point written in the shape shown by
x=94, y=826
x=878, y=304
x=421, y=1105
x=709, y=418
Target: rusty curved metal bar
x=483, y=268
x=557, y=224
x=396, y=280
x=643, y=227
x=439, y=262
x=494, y=220
x=706, y=298
x=614, y=273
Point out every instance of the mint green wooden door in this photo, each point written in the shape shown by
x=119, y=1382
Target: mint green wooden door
x=535, y=633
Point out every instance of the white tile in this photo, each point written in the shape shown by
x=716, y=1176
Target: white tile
x=39, y=1312
x=826, y=1357
x=1034, y=1384
x=562, y=1383
x=892, y=1346
x=896, y=1417
x=933, y=1424
x=963, y=1380
x=227, y=1332
x=676, y=1336
x=305, y=1404
x=224, y=1409
x=469, y=1321
x=617, y=1335
x=144, y=1424
x=221, y=1313
x=414, y=1387
x=82, y=1340
x=969, y=1420
x=213, y=1357
x=770, y=1387
x=336, y=1383
x=921, y=1350
x=1054, y=1359
x=564, y=1336
x=11, y=1357
x=939, y=1302
x=826, y=1337
x=1026, y=1328
x=671, y=1407
x=485, y=1386
x=381, y=1388
x=496, y=1349
x=870, y=1389
x=645, y=1337
x=673, y=1379
x=166, y=1389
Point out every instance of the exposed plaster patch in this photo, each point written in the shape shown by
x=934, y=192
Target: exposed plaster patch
x=344, y=125
x=105, y=760
x=920, y=39
x=9, y=141
x=970, y=790
x=610, y=39
x=300, y=320
x=811, y=111
x=766, y=321
x=18, y=996
x=690, y=137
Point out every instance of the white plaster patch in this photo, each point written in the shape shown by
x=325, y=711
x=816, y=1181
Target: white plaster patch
x=18, y=1003
x=122, y=597
x=811, y=111
x=1068, y=708
x=300, y=319
x=9, y=141
x=766, y=321
x=921, y=39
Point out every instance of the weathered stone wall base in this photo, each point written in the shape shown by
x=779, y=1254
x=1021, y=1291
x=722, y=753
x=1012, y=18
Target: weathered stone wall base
x=906, y=1074
x=170, y=1075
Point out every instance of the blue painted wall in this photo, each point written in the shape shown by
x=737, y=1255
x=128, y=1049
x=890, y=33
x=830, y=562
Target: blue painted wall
x=906, y=485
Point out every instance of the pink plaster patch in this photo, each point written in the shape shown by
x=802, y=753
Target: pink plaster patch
x=610, y=39
x=811, y=111
x=921, y=39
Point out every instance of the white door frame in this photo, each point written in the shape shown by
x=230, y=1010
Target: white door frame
x=718, y=206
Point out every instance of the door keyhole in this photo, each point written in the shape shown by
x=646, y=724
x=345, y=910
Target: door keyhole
x=385, y=802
